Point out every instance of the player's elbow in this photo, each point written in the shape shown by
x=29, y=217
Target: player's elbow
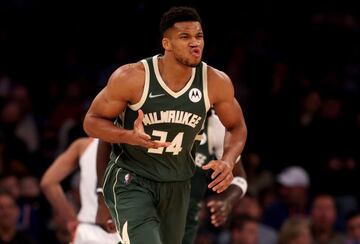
x=87, y=125
x=44, y=184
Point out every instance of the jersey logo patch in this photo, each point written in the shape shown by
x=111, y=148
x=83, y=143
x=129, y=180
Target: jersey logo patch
x=195, y=95
x=155, y=95
x=127, y=179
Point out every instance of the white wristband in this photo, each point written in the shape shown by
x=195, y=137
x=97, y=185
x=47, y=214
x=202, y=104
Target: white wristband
x=240, y=182
x=99, y=190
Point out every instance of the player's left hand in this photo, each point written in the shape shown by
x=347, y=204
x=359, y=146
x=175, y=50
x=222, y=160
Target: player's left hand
x=222, y=174
x=220, y=208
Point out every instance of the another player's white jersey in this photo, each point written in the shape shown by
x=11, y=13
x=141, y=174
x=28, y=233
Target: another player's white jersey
x=87, y=232
x=215, y=130
x=88, y=182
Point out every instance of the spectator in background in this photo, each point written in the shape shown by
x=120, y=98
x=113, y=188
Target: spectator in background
x=293, y=201
x=249, y=206
x=32, y=217
x=26, y=128
x=244, y=230
x=10, y=183
x=257, y=177
x=323, y=217
x=57, y=232
x=295, y=231
x=9, y=214
x=16, y=154
x=353, y=227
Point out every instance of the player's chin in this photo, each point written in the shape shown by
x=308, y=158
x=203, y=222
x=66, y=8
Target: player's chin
x=194, y=62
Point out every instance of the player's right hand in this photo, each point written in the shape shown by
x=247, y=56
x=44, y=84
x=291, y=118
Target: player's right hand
x=222, y=175
x=140, y=138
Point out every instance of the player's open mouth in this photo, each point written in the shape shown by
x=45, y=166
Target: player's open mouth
x=196, y=52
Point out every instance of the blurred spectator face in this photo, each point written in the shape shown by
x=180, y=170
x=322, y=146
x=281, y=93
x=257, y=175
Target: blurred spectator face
x=323, y=213
x=11, y=184
x=296, y=195
x=304, y=237
x=29, y=187
x=248, y=234
x=353, y=228
x=295, y=231
x=11, y=113
x=248, y=206
x=20, y=95
x=9, y=211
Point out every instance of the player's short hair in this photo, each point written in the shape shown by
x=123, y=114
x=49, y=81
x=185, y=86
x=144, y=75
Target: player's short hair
x=178, y=14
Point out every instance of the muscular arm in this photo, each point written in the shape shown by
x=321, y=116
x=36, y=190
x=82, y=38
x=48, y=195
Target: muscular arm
x=63, y=166
x=124, y=87
x=108, y=104
x=231, y=116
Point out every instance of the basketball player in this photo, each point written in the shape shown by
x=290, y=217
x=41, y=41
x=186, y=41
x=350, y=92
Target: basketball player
x=82, y=152
x=163, y=101
x=220, y=205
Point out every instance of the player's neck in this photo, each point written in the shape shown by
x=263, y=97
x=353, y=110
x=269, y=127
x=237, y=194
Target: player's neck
x=172, y=72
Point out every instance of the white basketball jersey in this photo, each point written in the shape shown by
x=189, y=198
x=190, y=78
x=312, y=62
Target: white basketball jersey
x=216, y=133
x=88, y=182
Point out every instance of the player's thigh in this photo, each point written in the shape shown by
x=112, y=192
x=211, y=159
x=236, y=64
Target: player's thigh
x=173, y=219
x=132, y=208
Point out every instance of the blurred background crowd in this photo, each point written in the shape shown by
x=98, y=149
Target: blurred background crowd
x=296, y=71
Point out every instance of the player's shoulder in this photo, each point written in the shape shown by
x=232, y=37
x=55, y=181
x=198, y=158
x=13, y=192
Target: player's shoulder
x=216, y=75
x=132, y=70
x=215, y=79
x=130, y=75
x=82, y=142
x=79, y=145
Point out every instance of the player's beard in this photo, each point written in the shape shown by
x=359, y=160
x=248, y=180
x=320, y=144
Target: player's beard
x=186, y=61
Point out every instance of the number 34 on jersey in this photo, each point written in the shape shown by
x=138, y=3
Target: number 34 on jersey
x=175, y=146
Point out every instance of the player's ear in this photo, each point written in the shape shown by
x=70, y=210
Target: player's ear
x=166, y=43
